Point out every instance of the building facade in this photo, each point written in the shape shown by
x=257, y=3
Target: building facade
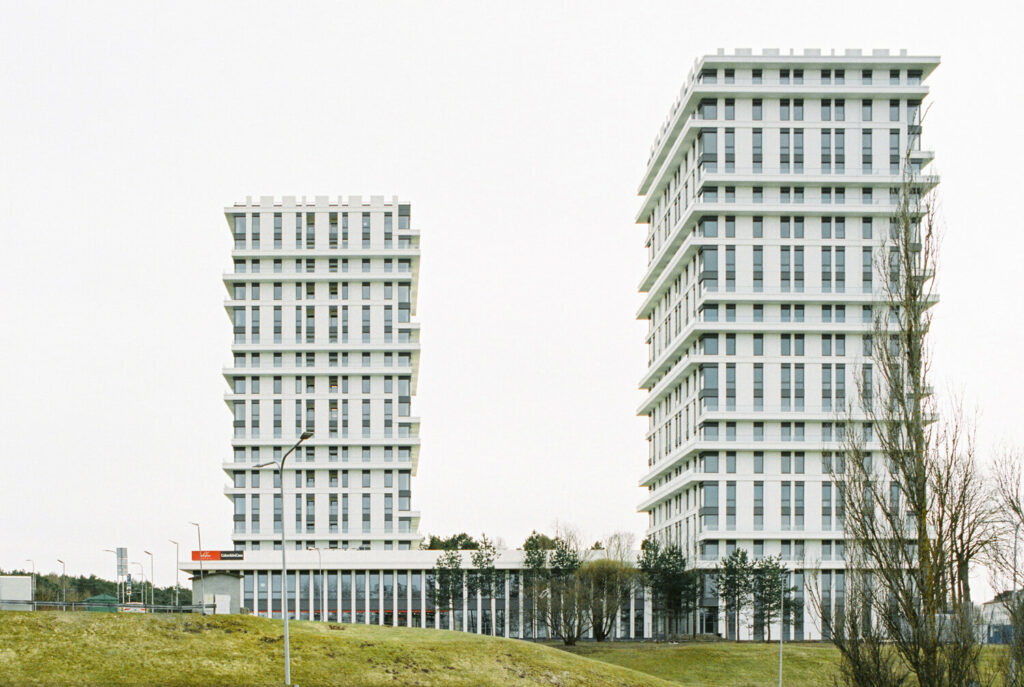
x=767, y=200
x=322, y=298
x=387, y=588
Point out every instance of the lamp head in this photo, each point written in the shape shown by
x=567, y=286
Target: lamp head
x=306, y=435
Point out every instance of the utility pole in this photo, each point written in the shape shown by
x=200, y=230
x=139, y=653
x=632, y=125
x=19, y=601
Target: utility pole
x=63, y=585
x=782, y=620
x=284, y=560
x=1013, y=602
x=202, y=580
x=177, y=572
x=152, y=580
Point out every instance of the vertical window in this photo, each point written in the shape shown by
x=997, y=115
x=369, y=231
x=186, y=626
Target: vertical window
x=758, y=269
x=865, y=150
x=759, y=505
x=757, y=150
x=784, y=150
x=758, y=386
x=278, y=232
x=839, y=142
x=867, y=270
x=730, y=150
x=826, y=151
x=730, y=268
x=757, y=110
x=798, y=151
x=894, y=151
x=239, y=231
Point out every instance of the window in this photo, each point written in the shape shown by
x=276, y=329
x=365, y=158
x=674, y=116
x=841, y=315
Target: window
x=758, y=386
x=784, y=153
x=894, y=110
x=798, y=157
x=758, y=269
x=894, y=151
x=865, y=110
x=239, y=232
x=757, y=150
x=730, y=152
x=730, y=108
x=757, y=110
x=865, y=150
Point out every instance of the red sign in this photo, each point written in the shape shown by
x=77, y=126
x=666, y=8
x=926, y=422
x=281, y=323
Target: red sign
x=217, y=555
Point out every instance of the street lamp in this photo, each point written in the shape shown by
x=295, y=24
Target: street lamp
x=320, y=558
x=152, y=580
x=32, y=591
x=63, y=586
x=177, y=572
x=284, y=548
x=202, y=580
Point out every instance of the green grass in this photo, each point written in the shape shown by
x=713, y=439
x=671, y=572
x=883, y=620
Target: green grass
x=51, y=648
x=721, y=664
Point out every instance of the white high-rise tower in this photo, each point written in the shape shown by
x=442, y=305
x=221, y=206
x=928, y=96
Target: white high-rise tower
x=322, y=298
x=767, y=197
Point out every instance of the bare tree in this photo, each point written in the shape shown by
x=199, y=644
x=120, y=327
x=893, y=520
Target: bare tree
x=908, y=486
x=559, y=594
x=1008, y=480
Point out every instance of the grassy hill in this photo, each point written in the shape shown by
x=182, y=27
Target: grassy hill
x=110, y=649
x=722, y=664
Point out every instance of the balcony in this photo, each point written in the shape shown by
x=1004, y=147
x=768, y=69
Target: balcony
x=683, y=119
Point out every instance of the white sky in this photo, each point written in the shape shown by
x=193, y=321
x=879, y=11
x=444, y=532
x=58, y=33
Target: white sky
x=518, y=131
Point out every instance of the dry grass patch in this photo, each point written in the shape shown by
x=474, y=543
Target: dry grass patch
x=52, y=648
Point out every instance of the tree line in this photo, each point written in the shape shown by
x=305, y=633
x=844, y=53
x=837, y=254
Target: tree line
x=53, y=586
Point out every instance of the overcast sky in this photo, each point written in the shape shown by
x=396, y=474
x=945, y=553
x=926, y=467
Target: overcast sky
x=518, y=131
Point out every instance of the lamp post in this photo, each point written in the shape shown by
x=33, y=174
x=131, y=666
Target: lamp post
x=177, y=572
x=1013, y=598
x=320, y=558
x=152, y=580
x=202, y=580
x=284, y=548
x=63, y=585
x=782, y=622
x=32, y=591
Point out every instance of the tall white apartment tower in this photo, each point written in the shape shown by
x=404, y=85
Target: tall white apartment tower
x=322, y=298
x=766, y=200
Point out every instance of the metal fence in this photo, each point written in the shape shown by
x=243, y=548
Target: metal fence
x=106, y=607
